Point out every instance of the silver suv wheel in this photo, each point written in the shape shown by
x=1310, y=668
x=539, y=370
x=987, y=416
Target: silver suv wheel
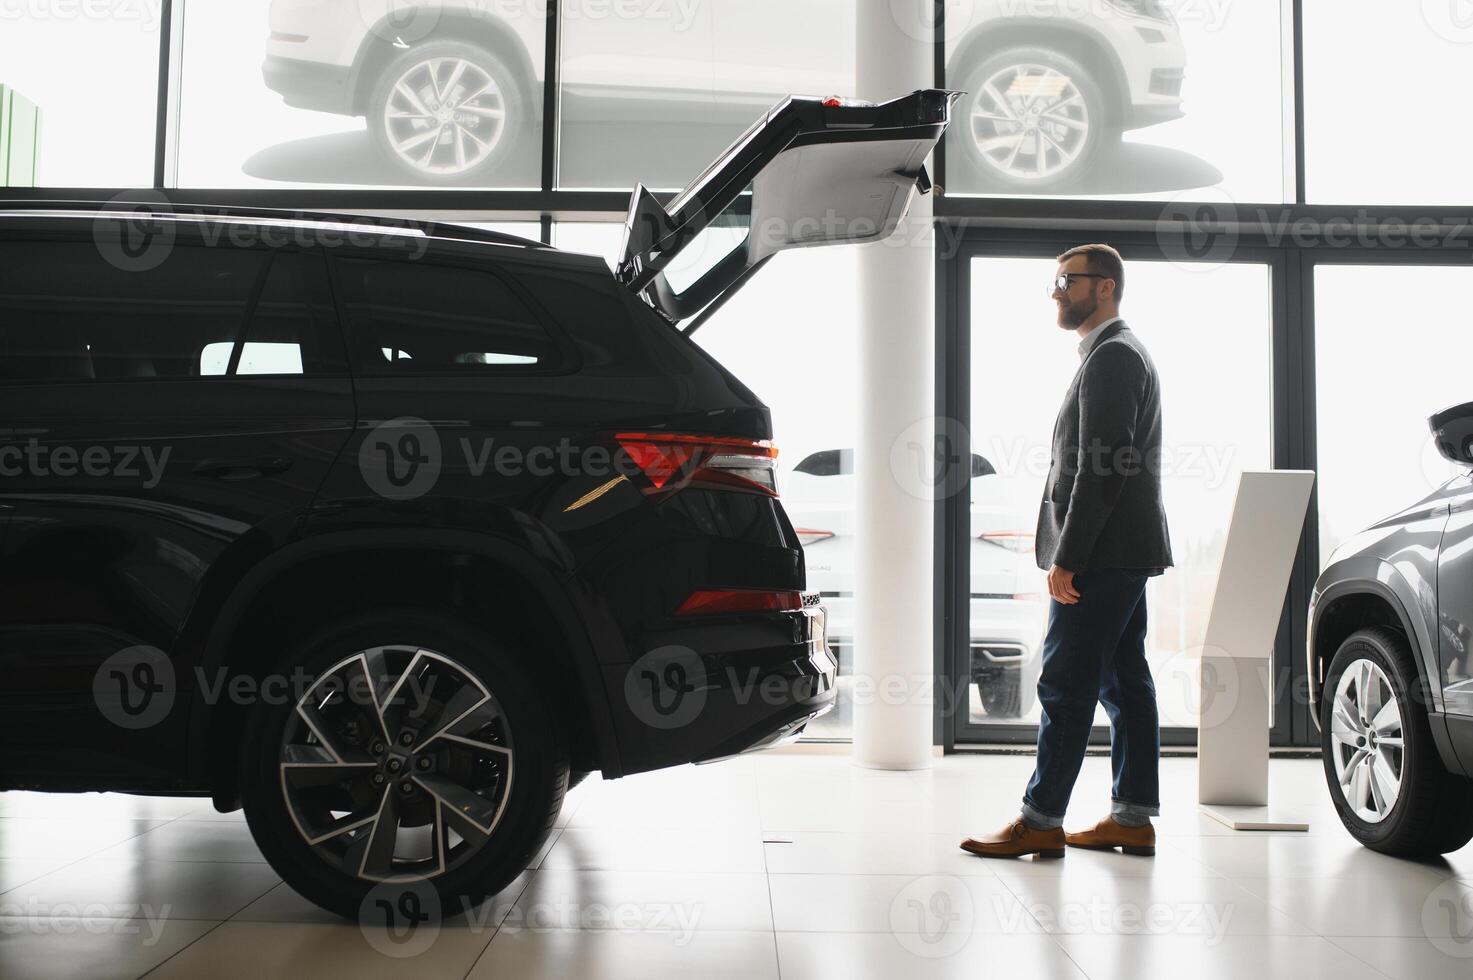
x=444, y=116
x=1030, y=122
x=396, y=764
x=1366, y=738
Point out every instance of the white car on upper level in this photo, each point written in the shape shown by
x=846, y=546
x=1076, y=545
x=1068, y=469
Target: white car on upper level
x=451, y=87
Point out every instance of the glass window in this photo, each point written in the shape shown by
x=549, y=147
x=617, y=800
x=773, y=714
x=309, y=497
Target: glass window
x=1376, y=455
x=293, y=329
x=1380, y=80
x=814, y=397
x=723, y=236
x=68, y=315
x=653, y=91
x=369, y=94
x=255, y=358
x=418, y=317
x=91, y=71
x=718, y=240
x=601, y=238
x=1145, y=99
x=636, y=97
x=1216, y=374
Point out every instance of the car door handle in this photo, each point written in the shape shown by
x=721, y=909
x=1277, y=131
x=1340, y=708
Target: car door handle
x=243, y=469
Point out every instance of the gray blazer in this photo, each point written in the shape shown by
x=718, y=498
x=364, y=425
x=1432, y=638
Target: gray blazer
x=1102, y=503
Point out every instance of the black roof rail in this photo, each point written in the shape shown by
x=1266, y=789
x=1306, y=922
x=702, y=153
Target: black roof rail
x=152, y=205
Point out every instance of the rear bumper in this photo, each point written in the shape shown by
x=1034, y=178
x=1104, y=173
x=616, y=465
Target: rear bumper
x=721, y=686
x=309, y=84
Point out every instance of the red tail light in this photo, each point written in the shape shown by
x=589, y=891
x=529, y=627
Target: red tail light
x=708, y=601
x=673, y=460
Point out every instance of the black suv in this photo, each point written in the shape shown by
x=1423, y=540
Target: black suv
x=386, y=531
x=1391, y=666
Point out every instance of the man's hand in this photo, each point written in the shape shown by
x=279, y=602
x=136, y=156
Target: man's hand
x=1061, y=586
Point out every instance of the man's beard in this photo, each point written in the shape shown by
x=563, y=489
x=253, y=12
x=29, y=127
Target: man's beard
x=1071, y=316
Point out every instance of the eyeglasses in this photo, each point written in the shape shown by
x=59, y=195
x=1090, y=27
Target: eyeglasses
x=1062, y=283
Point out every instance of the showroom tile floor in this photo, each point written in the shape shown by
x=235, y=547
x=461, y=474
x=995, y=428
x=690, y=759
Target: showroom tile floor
x=776, y=865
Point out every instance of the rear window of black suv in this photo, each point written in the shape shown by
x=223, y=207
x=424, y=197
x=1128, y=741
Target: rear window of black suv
x=423, y=317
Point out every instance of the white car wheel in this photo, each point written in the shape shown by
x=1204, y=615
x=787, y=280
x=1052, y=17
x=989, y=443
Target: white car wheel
x=1035, y=119
x=445, y=112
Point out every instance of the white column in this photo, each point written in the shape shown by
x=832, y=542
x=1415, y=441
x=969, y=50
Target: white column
x=893, y=635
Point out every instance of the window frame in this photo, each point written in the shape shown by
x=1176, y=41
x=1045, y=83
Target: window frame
x=954, y=393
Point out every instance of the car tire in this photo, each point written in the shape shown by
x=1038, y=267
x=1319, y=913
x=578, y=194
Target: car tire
x=492, y=743
x=476, y=135
x=1431, y=811
x=1079, y=123
x=1001, y=692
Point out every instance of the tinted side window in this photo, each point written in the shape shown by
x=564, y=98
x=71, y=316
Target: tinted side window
x=420, y=317
x=293, y=328
x=68, y=315
x=617, y=334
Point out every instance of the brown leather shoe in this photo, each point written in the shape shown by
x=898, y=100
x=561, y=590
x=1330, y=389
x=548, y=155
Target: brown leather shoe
x=1016, y=840
x=1108, y=835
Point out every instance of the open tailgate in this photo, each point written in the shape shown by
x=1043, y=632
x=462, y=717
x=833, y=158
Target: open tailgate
x=810, y=172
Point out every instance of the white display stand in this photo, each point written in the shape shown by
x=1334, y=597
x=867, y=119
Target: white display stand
x=1232, y=735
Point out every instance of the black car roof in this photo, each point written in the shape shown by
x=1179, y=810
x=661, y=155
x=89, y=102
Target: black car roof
x=35, y=212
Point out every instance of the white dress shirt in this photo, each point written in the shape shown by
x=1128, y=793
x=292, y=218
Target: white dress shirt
x=1087, y=342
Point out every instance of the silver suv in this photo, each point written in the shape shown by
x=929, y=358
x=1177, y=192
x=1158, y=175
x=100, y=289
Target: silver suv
x=1391, y=680
x=451, y=88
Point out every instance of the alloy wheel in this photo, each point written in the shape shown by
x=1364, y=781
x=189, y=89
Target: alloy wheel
x=1030, y=122
x=445, y=116
x=1366, y=740
x=396, y=764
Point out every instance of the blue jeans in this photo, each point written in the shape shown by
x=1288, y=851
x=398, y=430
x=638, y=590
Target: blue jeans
x=1095, y=650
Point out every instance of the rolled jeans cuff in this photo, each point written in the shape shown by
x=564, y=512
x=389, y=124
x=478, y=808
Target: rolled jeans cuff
x=1038, y=820
x=1135, y=814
